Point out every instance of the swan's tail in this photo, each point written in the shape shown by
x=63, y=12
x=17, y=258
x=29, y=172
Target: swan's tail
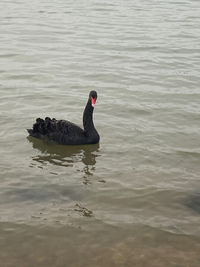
x=30, y=131
x=41, y=127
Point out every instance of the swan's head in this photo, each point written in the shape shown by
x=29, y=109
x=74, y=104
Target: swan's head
x=93, y=98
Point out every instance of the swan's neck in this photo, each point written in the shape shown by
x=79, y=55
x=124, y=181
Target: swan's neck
x=90, y=131
x=88, y=118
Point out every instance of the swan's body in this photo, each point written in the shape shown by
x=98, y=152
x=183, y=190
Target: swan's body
x=67, y=133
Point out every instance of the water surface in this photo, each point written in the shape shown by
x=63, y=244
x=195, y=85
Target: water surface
x=134, y=199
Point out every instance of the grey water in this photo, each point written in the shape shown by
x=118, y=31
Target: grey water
x=134, y=199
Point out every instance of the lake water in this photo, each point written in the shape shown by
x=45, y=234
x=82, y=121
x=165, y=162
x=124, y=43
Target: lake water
x=134, y=199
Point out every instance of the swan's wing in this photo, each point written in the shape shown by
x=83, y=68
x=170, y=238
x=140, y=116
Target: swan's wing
x=60, y=131
x=67, y=128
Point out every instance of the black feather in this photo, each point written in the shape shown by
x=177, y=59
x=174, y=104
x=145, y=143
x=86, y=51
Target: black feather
x=65, y=132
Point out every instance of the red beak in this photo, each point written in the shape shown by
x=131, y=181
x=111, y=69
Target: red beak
x=93, y=101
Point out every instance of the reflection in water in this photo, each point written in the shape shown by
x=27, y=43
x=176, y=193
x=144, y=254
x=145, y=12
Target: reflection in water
x=66, y=156
x=193, y=202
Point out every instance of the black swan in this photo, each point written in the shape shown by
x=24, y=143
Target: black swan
x=67, y=133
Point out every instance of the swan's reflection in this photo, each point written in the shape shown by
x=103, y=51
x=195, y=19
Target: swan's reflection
x=66, y=156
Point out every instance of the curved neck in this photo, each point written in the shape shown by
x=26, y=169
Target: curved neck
x=88, y=118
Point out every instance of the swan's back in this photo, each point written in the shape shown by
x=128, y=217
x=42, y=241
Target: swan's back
x=59, y=131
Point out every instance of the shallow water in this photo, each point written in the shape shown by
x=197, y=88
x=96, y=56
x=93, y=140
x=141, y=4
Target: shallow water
x=134, y=199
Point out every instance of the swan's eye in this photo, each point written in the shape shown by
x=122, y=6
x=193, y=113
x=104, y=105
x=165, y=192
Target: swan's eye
x=93, y=101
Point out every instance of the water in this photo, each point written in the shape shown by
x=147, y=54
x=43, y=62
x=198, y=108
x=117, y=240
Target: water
x=134, y=199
